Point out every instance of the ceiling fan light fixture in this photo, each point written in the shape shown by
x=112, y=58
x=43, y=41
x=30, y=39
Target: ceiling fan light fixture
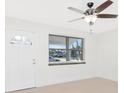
x=90, y=19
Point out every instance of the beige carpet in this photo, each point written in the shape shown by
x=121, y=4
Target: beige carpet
x=94, y=85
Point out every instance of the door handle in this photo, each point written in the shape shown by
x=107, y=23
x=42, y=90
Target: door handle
x=34, y=61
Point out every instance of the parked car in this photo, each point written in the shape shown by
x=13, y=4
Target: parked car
x=59, y=54
x=52, y=59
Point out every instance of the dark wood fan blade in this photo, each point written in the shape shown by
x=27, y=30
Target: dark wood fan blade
x=76, y=19
x=103, y=6
x=106, y=16
x=76, y=10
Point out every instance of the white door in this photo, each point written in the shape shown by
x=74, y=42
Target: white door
x=20, y=62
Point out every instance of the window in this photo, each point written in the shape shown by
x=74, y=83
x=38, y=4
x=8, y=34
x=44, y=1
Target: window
x=65, y=50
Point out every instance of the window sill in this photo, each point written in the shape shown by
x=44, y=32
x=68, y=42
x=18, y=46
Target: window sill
x=65, y=63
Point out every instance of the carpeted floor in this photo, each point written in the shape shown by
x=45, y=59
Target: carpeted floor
x=94, y=85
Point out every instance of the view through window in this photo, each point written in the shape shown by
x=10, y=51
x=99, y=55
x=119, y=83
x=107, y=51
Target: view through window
x=64, y=49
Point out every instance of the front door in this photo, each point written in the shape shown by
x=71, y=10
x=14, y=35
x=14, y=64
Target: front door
x=20, y=60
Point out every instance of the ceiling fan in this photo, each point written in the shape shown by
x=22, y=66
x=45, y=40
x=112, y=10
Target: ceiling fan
x=90, y=15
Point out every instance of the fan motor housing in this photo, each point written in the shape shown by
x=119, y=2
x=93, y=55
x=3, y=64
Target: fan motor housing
x=90, y=12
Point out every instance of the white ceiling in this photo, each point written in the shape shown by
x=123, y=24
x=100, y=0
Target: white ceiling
x=55, y=12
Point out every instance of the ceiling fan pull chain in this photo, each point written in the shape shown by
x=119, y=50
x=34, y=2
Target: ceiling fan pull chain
x=90, y=28
x=91, y=31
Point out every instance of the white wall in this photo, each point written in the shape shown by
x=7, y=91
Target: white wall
x=100, y=54
x=107, y=54
x=45, y=74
